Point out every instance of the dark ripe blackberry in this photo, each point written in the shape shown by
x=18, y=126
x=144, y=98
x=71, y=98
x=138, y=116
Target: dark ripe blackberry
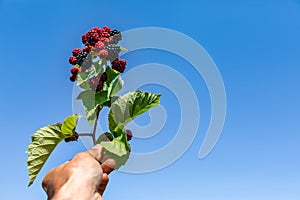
x=119, y=65
x=114, y=32
x=81, y=57
x=113, y=51
x=72, y=138
x=87, y=63
x=116, y=36
x=73, y=78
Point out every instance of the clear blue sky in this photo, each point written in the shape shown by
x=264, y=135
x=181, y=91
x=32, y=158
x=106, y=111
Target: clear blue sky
x=256, y=46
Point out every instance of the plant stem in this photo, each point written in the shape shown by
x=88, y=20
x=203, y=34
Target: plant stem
x=95, y=125
x=85, y=134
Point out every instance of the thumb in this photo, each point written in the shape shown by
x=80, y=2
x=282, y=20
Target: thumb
x=97, y=152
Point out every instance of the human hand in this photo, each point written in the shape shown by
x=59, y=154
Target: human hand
x=82, y=178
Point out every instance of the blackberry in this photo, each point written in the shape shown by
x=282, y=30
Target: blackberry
x=99, y=45
x=87, y=63
x=73, y=78
x=72, y=60
x=119, y=65
x=106, y=29
x=113, y=51
x=116, y=36
x=72, y=138
x=75, y=52
x=81, y=57
x=103, y=53
x=86, y=49
x=114, y=32
x=96, y=83
x=103, y=76
x=128, y=134
x=105, y=34
x=92, y=37
x=74, y=71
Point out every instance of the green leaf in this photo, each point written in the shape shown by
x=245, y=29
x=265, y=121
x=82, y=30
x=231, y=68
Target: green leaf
x=69, y=125
x=116, y=86
x=83, y=79
x=43, y=143
x=101, y=97
x=99, y=66
x=118, y=149
x=123, y=48
x=125, y=108
x=111, y=74
x=88, y=101
x=104, y=136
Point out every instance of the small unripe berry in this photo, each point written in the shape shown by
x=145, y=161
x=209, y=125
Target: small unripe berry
x=128, y=135
x=72, y=60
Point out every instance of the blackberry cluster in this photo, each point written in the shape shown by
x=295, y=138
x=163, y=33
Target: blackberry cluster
x=98, y=43
x=119, y=65
x=72, y=138
x=97, y=82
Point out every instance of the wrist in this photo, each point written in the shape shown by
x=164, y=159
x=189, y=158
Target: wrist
x=71, y=192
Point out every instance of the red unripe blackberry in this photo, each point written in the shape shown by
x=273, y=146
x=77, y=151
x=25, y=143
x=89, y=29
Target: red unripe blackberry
x=96, y=83
x=86, y=49
x=104, y=40
x=74, y=70
x=103, y=53
x=103, y=77
x=76, y=51
x=119, y=65
x=99, y=45
x=97, y=29
x=128, y=135
x=106, y=29
x=105, y=34
x=84, y=38
x=72, y=60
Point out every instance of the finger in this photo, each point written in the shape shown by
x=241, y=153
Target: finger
x=108, y=166
x=103, y=184
x=97, y=152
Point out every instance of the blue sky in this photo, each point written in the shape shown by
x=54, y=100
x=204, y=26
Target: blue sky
x=255, y=45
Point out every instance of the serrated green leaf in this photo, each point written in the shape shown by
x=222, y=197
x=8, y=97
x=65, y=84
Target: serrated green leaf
x=43, y=143
x=69, y=125
x=125, y=108
x=118, y=149
x=116, y=86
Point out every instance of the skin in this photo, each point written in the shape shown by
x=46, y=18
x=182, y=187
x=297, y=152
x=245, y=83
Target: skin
x=83, y=177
